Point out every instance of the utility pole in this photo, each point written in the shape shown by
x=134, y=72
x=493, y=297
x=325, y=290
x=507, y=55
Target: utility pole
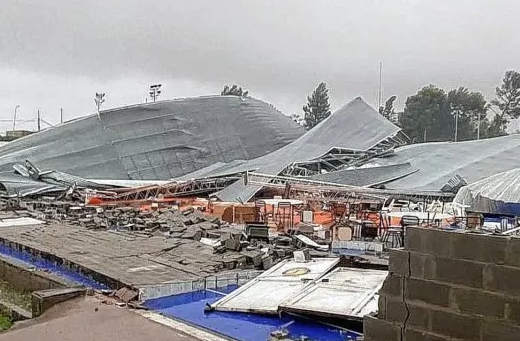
x=380, y=93
x=39, y=120
x=456, y=124
x=478, y=126
x=61, y=115
x=155, y=91
x=14, y=118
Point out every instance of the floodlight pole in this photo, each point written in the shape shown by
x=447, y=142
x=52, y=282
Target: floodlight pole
x=14, y=118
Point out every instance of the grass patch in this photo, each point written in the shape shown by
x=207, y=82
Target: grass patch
x=5, y=323
x=9, y=294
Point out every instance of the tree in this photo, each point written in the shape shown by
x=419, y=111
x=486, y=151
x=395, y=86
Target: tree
x=471, y=109
x=508, y=102
x=388, y=110
x=234, y=90
x=434, y=115
x=317, y=108
x=427, y=116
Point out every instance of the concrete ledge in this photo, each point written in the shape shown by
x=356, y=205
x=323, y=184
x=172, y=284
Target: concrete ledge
x=25, y=278
x=14, y=312
x=43, y=300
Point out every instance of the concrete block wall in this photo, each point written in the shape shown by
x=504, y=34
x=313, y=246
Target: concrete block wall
x=24, y=278
x=450, y=286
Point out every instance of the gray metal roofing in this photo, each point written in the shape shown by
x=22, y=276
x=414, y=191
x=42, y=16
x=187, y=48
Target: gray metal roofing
x=440, y=161
x=157, y=141
x=355, y=126
x=367, y=176
x=14, y=184
x=504, y=186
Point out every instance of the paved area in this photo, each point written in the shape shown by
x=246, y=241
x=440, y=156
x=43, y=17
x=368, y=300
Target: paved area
x=90, y=320
x=127, y=257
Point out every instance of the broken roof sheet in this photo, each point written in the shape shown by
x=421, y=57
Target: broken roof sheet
x=440, y=161
x=157, y=141
x=367, y=176
x=494, y=194
x=356, y=126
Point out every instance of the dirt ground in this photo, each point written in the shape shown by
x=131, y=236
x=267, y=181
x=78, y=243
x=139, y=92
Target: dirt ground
x=87, y=319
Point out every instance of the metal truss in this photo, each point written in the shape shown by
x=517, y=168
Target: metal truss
x=304, y=188
x=166, y=191
x=338, y=158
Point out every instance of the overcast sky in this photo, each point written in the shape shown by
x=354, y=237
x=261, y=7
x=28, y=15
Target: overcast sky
x=57, y=54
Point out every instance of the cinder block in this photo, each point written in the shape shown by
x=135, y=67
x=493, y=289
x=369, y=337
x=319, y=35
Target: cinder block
x=396, y=310
x=478, y=247
x=412, y=334
x=381, y=307
x=493, y=330
x=513, y=251
x=380, y=330
x=427, y=291
x=512, y=310
x=456, y=325
x=478, y=302
x=398, y=262
x=428, y=240
x=393, y=285
x=502, y=279
x=422, y=265
x=419, y=315
x=458, y=271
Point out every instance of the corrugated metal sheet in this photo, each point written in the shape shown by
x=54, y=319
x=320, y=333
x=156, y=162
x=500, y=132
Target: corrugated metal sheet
x=368, y=176
x=17, y=185
x=498, y=194
x=356, y=126
x=343, y=293
x=265, y=293
x=439, y=162
x=156, y=141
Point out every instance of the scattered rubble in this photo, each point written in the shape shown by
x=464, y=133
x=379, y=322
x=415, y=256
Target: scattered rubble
x=200, y=244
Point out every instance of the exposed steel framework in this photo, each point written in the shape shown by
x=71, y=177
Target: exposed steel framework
x=313, y=189
x=166, y=191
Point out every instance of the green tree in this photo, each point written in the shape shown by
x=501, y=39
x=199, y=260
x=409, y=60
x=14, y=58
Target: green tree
x=508, y=102
x=433, y=115
x=318, y=107
x=388, y=109
x=234, y=90
x=427, y=116
x=471, y=109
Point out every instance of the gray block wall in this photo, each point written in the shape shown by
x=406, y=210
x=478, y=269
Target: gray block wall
x=450, y=286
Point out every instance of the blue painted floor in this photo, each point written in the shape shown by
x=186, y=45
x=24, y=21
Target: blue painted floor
x=240, y=326
x=42, y=264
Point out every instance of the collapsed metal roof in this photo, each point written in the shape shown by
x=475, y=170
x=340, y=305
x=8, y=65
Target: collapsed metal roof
x=156, y=141
x=356, y=126
x=367, y=176
x=441, y=161
x=493, y=194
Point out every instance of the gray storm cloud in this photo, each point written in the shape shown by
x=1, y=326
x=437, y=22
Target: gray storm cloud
x=280, y=49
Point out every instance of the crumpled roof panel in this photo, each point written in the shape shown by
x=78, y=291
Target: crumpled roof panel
x=367, y=176
x=356, y=126
x=440, y=161
x=503, y=186
x=497, y=194
x=157, y=141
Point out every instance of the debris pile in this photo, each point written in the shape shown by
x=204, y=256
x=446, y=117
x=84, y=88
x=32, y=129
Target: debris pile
x=195, y=236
